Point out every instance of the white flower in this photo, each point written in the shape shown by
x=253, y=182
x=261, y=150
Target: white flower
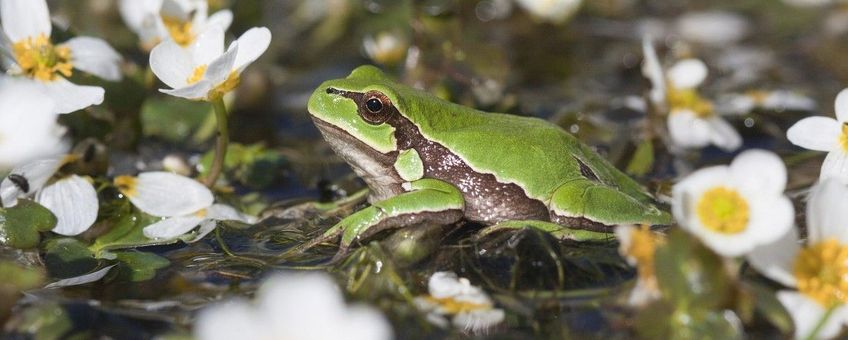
x=692, y=122
x=28, y=128
x=28, y=52
x=293, y=306
x=765, y=100
x=826, y=134
x=818, y=269
x=638, y=245
x=183, y=202
x=471, y=308
x=712, y=27
x=386, y=48
x=179, y=20
x=203, y=70
x=735, y=208
x=555, y=11
x=71, y=198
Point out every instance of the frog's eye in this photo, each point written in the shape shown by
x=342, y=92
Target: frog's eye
x=375, y=108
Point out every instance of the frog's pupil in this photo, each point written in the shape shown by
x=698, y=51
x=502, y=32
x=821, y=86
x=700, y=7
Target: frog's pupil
x=374, y=105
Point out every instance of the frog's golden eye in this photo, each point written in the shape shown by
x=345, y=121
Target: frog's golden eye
x=375, y=108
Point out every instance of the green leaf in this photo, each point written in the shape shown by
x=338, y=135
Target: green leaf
x=139, y=266
x=127, y=232
x=643, y=159
x=68, y=257
x=44, y=321
x=770, y=307
x=20, y=225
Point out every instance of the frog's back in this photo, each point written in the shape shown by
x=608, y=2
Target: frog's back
x=533, y=153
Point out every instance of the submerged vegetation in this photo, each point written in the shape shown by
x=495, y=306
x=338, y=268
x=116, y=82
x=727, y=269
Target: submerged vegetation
x=162, y=177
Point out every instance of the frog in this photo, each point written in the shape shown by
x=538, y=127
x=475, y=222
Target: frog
x=427, y=160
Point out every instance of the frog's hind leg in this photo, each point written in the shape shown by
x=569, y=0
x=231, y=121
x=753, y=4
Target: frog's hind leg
x=556, y=230
x=591, y=205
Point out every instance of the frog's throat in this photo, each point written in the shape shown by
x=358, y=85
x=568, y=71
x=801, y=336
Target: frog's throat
x=374, y=167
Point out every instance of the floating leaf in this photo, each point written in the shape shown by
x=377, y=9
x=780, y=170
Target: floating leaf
x=127, y=232
x=16, y=279
x=20, y=225
x=139, y=266
x=68, y=257
x=82, y=279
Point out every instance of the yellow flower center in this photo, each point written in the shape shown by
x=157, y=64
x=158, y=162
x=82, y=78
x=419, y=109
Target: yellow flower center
x=40, y=59
x=223, y=88
x=822, y=272
x=689, y=99
x=643, y=247
x=201, y=213
x=723, y=210
x=843, y=137
x=126, y=185
x=453, y=306
x=197, y=74
x=180, y=31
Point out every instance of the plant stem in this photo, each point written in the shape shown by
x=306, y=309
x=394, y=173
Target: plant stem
x=814, y=334
x=221, y=144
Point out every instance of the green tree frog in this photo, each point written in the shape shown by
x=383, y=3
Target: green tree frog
x=428, y=160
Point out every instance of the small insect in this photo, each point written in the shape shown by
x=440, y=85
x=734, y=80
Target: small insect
x=20, y=181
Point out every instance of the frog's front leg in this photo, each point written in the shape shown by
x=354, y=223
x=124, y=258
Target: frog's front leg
x=426, y=200
x=556, y=230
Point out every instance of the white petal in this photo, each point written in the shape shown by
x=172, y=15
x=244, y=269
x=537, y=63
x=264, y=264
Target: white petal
x=687, y=73
x=25, y=18
x=179, y=9
x=777, y=260
x=300, y=305
x=770, y=218
x=759, y=171
x=74, y=202
x=652, y=70
x=222, y=19
x=235, y=319
x=364, y=322
x=196, y=91
x=70, y=97
x=172, y=227
x=167, y=195
x=208, y=46
x=95, y=56
x=444, y=285
x=712, y=27
x=786, y=100
x=36, y=174
x=252, y=44
x=807, y=313
x=28, y=126
x=816, y=133
x=223, y=212
x=171, y=64
x=221, y=68
x=478, y=322
x=687, y=130
x=723, y=135
x=841, y=106
x=835, y=166
x=81, y=280
x=206, y=227
x=135, y=12
x=827, y=212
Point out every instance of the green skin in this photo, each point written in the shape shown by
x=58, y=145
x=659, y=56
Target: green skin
x=428, y=160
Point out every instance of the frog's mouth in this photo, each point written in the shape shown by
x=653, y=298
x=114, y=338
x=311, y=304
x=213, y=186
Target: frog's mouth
x=374, y=167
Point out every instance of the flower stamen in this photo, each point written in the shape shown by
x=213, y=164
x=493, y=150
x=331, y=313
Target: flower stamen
x=197, y=74
x=179, y=30
x=723, y=210
x=127, y=185
x=689, y=99
x=821, y=271
x=40, y=59
x=225, y=87
x=843, y=137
